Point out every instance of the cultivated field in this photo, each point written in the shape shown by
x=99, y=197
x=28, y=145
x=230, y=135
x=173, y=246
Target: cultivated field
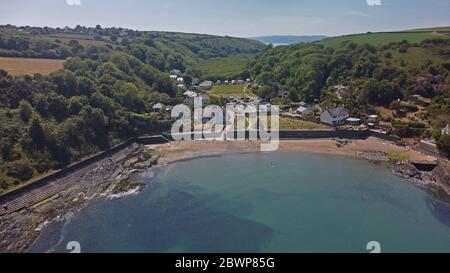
x=238, y=91
x=25, y=66
x=225, y=67
x=377, y=39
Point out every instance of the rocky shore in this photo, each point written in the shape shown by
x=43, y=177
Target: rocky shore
x=437, y=181
x=114, y=178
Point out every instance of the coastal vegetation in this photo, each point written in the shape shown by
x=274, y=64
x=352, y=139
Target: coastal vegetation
x=102, y=95
x=405, y=83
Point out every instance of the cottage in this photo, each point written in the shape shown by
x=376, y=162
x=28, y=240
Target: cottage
x=175, y=72
x=206, y=85
x=190, y=96
x=335, y=116
x=157, y=107
x=282, y=94
x=180, y=80
x=305, y=110
x=173, y=77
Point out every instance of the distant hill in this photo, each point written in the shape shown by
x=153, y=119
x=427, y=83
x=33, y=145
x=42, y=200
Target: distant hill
x=379, y=38
x=288, y=39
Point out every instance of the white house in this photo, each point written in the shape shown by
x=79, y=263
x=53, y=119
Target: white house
x=180, y=80
x=335, y=116
x=173, y=77
x=175, y=72
x=157, y=107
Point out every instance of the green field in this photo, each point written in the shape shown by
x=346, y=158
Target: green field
x=225, y=67
x=377, y=39
x=288, y=124
x=238, y=91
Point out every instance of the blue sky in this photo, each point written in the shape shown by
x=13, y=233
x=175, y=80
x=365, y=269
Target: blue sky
x=242, y=18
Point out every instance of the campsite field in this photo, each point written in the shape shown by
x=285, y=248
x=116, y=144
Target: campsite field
x=26, y=66
x=225, y=67
x=237, y=90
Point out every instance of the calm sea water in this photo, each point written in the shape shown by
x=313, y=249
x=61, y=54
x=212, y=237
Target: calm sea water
x=277, y=202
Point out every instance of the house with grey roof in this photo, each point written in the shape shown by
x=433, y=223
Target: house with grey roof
x=157, y=107
x=335, y=116
x=206, y=85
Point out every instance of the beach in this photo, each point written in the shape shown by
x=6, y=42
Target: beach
x=182, y=150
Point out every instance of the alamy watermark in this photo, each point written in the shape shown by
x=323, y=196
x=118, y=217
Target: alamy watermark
x=239, y=122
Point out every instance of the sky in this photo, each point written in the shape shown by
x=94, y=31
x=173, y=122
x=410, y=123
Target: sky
x=241, y=18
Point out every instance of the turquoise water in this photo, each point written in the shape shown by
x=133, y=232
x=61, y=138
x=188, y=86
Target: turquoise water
x=276, y=202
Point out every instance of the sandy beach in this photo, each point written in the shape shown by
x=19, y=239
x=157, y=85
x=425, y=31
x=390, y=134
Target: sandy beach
x=356, y=148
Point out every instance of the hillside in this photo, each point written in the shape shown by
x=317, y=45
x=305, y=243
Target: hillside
x=377, y=39
x=95, y=88
x=386, y=74
x=163, y=50
x=287, y=39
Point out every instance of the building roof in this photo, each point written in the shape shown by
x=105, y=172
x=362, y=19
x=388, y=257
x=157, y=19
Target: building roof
x=338, y=112
x=158, y=106
x=353, y=120
x=190, y=94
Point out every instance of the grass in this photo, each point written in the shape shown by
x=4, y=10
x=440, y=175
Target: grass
x=296, y=124
x=377, y=39
x=237, y=90
x=26, y=66
x=225, y=67
x=396, y=155
x=416, y=57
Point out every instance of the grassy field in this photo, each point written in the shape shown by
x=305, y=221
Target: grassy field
x=24, y=66
x=237, y=91
x=377, y=39
x=296, y=124
x=226, y=67
x=416, y=57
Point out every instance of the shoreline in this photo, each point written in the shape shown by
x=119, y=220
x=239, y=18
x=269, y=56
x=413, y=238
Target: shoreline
x=360, y=149
x=115, y=179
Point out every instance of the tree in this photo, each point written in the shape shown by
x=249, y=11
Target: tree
x=444, y=144
x=25, y=111
x=37, y=133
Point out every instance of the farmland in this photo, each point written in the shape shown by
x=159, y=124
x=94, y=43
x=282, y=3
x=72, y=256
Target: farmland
x=225, y=67
x=377, y=39
x=238, y=90
x=25, y=66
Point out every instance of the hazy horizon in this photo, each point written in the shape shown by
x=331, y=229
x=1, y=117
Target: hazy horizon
x=250, y=18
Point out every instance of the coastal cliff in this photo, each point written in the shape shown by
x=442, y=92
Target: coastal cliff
x=438, y=181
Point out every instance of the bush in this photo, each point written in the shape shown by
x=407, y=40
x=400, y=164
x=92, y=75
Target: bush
x=20, y=170
x=444, y=144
